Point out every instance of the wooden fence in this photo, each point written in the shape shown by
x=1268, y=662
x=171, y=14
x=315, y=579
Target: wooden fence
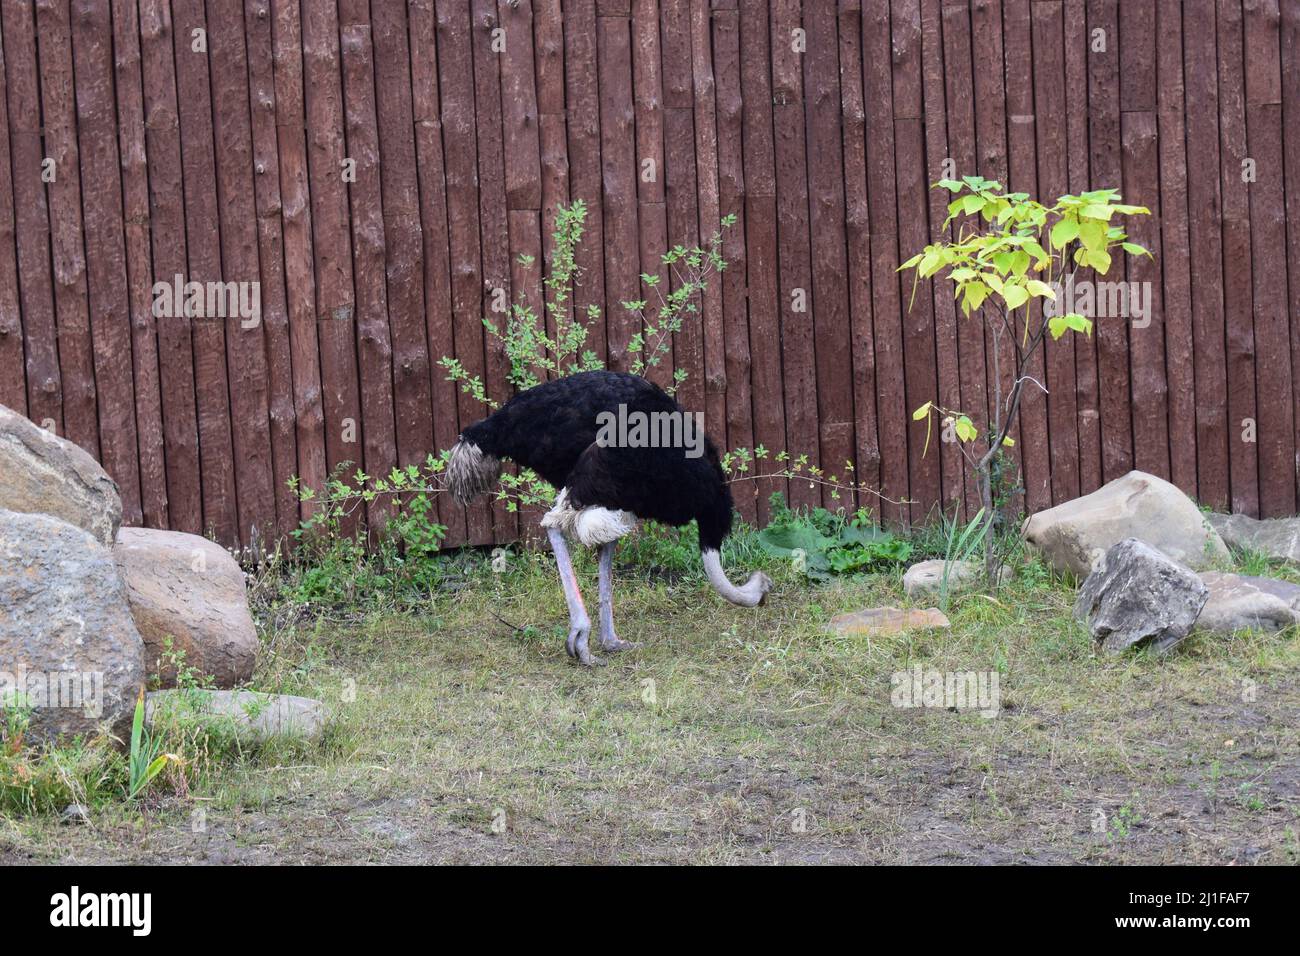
x=378, y=166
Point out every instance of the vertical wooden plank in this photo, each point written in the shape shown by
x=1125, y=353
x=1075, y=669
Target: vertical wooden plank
x=991, y=151
x=951, y=464
x=921, y=376
x=758, y=151
x=32, y=219
x=110, y=318
x=220, y=517
x=1276, y=433
x=176, y=347
x=456, y=83
x=1239, y=305
x=374, y=342
x=1289, y=12
x=1141, y=186
x=299, y=264
x=1077, y=46
x=245, y=337
x=1107, y=172
x=681, y=196
x=13, y=379
x=1053, y=179
x=427, y=109
x=1146, y=338
x=128, y=82
x=830, y=294
x=270, y=255
x=618, y=168
x=731, y=202
x=706, y=159
x=335, y=301
x=582, y=99
x=1238, y=297
x=553, y=142
x=857, y=224
x=887, y=305
x=652, y=215
x=1172, y=256
x=959, y=91
x=521, y=136
x=403, y=239
x=494, y=227
x=1203, y=198
x=72, y=312
x=1022, y=174
x=797, y=303
x=519, y=107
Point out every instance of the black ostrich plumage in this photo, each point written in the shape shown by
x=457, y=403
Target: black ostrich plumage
x=552, y=429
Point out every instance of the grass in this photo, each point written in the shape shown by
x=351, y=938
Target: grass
x=464, y=734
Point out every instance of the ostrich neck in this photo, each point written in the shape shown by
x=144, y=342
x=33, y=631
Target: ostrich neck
x=722, y=584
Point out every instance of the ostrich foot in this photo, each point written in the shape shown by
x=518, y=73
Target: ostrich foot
x=577, y=643
x=612, y=642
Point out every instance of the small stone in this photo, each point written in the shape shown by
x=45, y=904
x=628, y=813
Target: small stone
x=926, y=577
x=879, y=621
x=251, y=716
x=1136, y=594
x=74, y=813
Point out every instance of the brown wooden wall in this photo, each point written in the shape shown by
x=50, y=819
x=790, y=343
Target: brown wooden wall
x=664, y=116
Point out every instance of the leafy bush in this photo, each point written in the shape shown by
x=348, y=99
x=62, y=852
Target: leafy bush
x=822, y=543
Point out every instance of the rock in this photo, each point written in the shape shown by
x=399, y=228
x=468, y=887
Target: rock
x=926, y=577
x=186, y=588
x=1136, y=594
x=1271, y=537
x=67, y=639
x=1071, y=536
x=40, y=473
x=879, y=621
x=1239, y=602
x=252, y=717
x=74, y=813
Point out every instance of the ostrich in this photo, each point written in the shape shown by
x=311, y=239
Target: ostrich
x=603, y=487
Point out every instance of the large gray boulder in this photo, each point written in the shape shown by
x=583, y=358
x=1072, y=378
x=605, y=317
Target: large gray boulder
x=1136, y=594
x=1272, y=537
x=67, y=640
x=40, y=473
x=1073, y=535
x=1240, y=602
x=188, y=591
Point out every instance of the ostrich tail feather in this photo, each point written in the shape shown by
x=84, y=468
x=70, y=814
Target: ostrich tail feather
x=470, y=471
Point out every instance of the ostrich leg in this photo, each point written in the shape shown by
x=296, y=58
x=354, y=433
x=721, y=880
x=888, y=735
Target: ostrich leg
x=579, y=623
x=609, y=641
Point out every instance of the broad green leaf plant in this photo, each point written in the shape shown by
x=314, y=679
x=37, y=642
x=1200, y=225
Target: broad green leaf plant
x=1010, y=252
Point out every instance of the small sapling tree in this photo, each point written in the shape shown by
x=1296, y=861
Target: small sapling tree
x=1011, y=250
